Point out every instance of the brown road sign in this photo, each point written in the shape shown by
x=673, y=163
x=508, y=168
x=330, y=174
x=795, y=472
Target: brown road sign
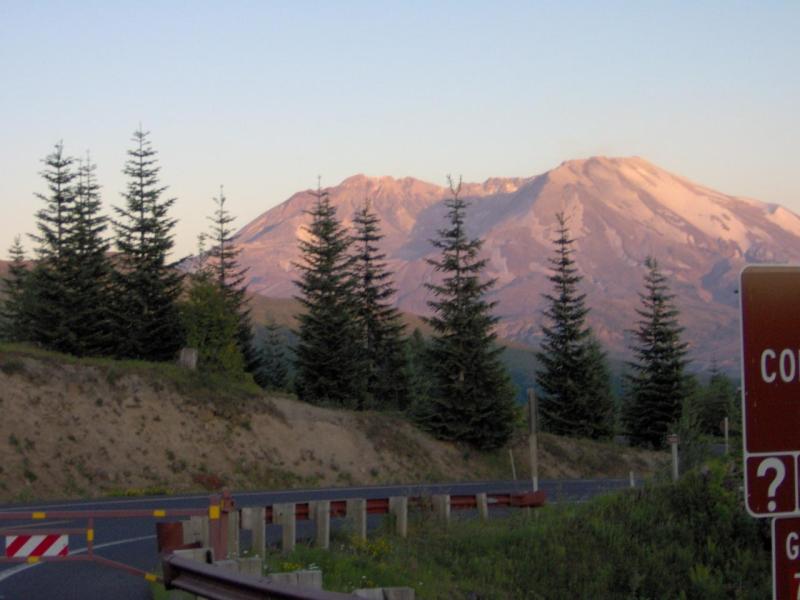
x=786, y=559
x=770, y=312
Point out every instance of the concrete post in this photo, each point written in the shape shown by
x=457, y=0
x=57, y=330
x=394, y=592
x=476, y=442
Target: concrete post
x=233, y=534
x=258, y=525
x=246, y=518
x=441, y=506
x=357, y=515
x=284, y=515
x=196, y=530
x=633, y=481
x=483, y=505
x=250, y=566
x=322, y=519
x=398, y=507
x=533, y=441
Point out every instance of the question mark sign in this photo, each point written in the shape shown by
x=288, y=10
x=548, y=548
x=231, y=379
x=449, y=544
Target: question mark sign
x=772, y=464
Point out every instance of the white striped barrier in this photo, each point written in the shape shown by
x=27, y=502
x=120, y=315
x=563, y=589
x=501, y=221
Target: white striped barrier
x=25, y=546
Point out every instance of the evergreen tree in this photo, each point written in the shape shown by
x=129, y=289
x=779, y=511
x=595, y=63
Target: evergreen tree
x=717, y=401
x=211, y=326
x=328, y=357
x=600, y=411
x=419, y=376
x=224, y=259
x=657, y=387
x=381, y=327
x=89, y=269
x=472, y=396
x=15, y=323
x=574, y=382
x=50, y=282
x=148, y=286
x=273, y=372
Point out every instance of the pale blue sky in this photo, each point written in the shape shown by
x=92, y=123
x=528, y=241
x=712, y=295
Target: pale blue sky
x=264, y=96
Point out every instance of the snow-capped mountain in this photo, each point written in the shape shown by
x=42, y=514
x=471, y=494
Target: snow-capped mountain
x=619, y=211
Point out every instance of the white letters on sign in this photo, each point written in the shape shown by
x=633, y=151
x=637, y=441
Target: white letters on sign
x=783, y=366
x=792, y=550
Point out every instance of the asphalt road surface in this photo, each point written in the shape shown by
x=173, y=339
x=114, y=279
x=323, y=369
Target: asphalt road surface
x=133, y=541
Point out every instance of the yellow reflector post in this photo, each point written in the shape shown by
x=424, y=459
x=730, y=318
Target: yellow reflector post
x=150, y=577
x=90, y=535
x=160, y=512
x=38, y=515
x=33, y=560
x=213, y=512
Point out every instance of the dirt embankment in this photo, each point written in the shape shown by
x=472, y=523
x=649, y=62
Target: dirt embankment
x=71, y=428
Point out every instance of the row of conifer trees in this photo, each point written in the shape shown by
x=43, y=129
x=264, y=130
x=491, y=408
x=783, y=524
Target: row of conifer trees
x=88, y=295
x=352, y=350
x=84, y=296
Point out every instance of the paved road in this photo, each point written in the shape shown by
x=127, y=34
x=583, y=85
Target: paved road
x=132, y=541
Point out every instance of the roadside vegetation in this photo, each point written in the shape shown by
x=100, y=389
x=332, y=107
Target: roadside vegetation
x=690, y=540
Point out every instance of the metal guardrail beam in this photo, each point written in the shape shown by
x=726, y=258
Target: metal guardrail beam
x=380, y=506
x=216, y=583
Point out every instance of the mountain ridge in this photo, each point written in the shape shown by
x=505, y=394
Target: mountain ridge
x=619, y=211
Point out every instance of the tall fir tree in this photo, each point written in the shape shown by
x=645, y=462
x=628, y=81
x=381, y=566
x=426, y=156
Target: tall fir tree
x=273, y=371
x=90, y=268
x=328, y=358
x=50, y=282
x=380, y=322
x=472, y=397
x=224, y=259
x=657, y=385
x=717, y=401
x=148, y=324
x=15, y=323
x=573, y=378
x=419, y=375
x=211, y=326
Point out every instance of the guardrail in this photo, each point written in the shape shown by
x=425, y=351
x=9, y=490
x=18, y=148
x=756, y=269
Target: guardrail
x=221, y=522
x=381, y=506
x=215, y=583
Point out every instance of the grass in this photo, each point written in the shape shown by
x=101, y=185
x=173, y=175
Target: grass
x=196, y=384
x=692, y=540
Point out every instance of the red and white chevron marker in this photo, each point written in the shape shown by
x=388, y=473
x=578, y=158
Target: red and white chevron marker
x=23, y=546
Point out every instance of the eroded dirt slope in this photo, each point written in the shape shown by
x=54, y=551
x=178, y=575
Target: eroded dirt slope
x=87, y=428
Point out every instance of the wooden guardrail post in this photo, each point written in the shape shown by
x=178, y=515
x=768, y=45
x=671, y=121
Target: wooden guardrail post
x=357, y=515
x=196, y=530
x=258, y=525
x=398, y=507
x=284, y=514
x=322, y=520
x=441, y=506
x=483, y=505
x=232, y=541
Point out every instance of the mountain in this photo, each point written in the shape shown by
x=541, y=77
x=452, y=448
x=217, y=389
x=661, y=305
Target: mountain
x=620, y=210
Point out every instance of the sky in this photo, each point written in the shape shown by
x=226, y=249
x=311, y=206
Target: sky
x=263, y=97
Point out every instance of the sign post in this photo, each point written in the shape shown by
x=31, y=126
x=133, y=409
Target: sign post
x=770, y=297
